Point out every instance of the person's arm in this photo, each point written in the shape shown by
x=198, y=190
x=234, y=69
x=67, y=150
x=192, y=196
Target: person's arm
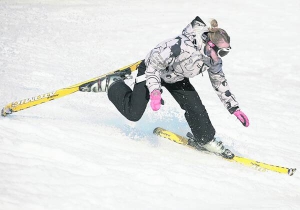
x=220, y=85
x=156, y=62
x=222, y=89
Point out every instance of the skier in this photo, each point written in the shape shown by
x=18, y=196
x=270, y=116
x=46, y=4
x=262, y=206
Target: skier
x=170, y=64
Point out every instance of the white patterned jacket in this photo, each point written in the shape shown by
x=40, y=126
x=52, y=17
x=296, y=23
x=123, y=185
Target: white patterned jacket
x=184, y=57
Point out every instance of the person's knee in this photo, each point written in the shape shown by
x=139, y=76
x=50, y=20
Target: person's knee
x=134, y=118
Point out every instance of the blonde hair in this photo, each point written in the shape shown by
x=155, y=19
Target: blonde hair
x=217, y=35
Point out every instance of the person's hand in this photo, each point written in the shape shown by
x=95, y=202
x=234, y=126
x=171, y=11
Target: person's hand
x=242, y=117
x=155, y=100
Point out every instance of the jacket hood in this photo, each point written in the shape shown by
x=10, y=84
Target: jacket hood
x=194, y=30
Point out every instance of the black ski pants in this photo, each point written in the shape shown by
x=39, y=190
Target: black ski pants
x=132, y=104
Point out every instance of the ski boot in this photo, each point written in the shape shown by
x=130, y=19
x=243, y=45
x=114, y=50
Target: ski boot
x=103, y=84
x=218, y=148
x=213, y=146
x=100, y=85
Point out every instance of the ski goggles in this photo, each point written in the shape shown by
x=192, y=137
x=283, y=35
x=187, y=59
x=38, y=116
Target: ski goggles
x=221, y=52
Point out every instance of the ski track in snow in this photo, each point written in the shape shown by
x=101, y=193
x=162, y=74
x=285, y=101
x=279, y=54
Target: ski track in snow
x=78, y=152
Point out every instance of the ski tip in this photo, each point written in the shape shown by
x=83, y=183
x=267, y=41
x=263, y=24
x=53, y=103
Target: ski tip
x=3, y=114
x=291, y=171
x=5, y=111
x=157, y=130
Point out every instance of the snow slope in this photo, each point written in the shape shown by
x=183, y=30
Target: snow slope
x=78, y=152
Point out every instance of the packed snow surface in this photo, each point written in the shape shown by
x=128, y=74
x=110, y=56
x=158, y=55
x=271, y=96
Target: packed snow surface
x=78, y=152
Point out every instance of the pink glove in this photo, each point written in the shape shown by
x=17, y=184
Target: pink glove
x=242, y=117
x=155, y=98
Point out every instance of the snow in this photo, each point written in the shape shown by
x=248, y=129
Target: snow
x=78, y=152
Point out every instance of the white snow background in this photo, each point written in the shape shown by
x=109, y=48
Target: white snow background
x=78, y=152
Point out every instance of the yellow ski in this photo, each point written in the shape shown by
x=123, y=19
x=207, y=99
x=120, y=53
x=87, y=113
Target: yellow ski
x=245, y=161
x=36, y=100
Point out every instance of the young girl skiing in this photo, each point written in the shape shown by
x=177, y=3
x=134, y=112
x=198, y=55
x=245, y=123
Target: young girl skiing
x=170, y=64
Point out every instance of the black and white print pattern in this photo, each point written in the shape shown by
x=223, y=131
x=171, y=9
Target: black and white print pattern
x=183, y=56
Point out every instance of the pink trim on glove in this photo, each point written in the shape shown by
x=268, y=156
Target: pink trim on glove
x=242, y=117
x=155, y=98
